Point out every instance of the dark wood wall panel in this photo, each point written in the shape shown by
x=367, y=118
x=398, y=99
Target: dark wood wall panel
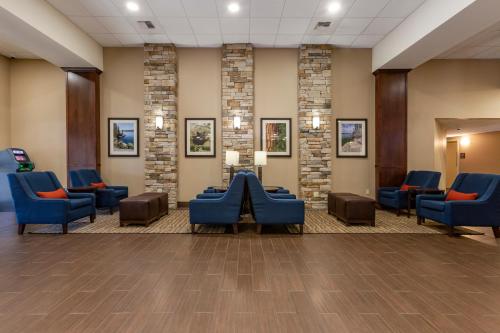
x=82, y=118
x=391, y=89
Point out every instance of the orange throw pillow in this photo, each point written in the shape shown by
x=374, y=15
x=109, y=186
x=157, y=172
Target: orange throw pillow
x=459, y=196
x=98, y=185
x=57, y=194
x=405, y=187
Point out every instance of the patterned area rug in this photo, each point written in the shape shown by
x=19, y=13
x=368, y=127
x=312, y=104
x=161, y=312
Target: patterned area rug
x=317, y=222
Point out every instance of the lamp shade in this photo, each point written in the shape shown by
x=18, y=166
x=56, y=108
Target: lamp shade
x=232, y=157
x=260, y=158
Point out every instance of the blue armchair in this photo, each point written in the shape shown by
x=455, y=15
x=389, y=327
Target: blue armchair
x=223, y=209
x=394, y=197
x=31, y=209
x=482, y=212
x=108, y=197
x=271, y=210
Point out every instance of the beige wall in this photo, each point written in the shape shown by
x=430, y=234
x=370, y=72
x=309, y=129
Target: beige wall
x=447, y=89
x=276, y=81
x=4, y=102
x=38, y=113
x=353, y=96
x=199, y=97
x=482, y=155
x=122, y=96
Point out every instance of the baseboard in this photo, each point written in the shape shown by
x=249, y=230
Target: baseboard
x=182, y=204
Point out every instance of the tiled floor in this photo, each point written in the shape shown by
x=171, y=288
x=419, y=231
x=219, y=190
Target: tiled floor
x=247, y=283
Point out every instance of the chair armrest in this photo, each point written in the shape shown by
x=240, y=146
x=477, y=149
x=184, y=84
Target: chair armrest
x=82, y=196
x=434, y=197
x=210, y=190
x=209, y=195
x=285, y=209
x=118, y=187
x=282, y=191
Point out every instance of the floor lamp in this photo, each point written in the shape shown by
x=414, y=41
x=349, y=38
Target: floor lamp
x=232, y=159
x=260, y=161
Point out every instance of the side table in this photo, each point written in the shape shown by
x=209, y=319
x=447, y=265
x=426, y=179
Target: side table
x=412, y=195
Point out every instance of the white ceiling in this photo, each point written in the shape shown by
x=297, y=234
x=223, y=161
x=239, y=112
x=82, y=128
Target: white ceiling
x=457, y=127
x=265, y=23
x=485, y=45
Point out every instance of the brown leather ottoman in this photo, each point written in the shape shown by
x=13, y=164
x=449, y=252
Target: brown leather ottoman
x=332, y=198
x=355, y=210
x=139, y=210
x=161, y=197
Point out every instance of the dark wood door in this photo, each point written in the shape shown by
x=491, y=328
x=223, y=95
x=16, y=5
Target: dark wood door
x=391, y=88
x=82, y=118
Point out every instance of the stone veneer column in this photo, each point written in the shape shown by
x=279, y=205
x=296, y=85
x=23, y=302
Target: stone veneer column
x=315, y=69
x=160, y=99
x=237, y=100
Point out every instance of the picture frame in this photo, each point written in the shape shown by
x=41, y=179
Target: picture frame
x=276, y=136
x=200, y=137
x=352, y=138
x=123, y=137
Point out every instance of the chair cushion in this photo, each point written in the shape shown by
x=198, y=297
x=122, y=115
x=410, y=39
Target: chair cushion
x=77, y=203
x=120, y=193
x=388, y=194
x=57, y=194
x=459, y=196
x=433, y=204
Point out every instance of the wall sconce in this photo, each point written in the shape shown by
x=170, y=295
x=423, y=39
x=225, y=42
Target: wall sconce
x=465, y=141
x=237, y=122
x=316, y=122
x=260, y=160
x=159, y=122
x=232, y=159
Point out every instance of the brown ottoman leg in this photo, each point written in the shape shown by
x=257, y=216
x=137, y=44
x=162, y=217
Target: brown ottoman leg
x=193, y=228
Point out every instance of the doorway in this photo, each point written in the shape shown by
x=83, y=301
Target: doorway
x=452, y=168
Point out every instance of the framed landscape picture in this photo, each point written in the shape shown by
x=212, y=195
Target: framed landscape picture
x=123, y=137
x=276, y=136
x=200, y=137
x=352, y=138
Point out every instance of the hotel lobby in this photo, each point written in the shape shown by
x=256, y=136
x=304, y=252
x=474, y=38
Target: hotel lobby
x=249, y=165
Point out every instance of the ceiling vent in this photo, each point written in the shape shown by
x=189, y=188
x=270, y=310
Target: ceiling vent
x=323, y=27
x=148, y=24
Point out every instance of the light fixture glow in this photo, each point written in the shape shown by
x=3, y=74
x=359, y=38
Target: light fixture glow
x=159, y=122
x=132, y=6
x=334, y=7
x=464, y=141
x=236, y=122
x=233, y=7
x=316, y=122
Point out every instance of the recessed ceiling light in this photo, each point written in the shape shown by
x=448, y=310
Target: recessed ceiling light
x=233, y=7
x=132, y=6
x=334, y=7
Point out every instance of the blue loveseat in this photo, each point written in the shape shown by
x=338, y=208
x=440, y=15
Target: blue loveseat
x=482, y=212
x=272, y=210
x=108, y=197
x=219, y=209
x=31, y=209
x=394, y=197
